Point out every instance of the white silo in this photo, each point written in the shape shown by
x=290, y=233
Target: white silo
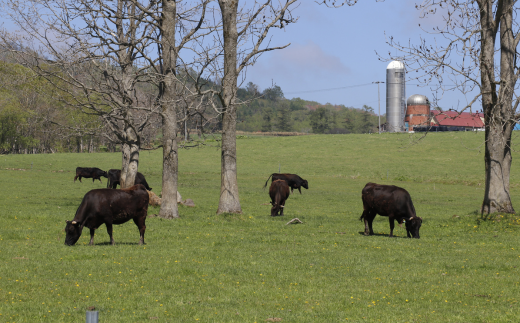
x=395, y=96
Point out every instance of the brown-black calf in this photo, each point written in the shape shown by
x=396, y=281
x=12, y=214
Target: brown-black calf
x=114, y=176
x=279, y=192
x=109, y=207
x=90, y=172
x=393, y=202
x=293, y=180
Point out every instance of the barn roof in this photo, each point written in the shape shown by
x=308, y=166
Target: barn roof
x=454, y=119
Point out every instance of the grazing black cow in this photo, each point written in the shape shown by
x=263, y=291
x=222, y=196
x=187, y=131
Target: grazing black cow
x=393, y=202
x=114, y=176
x=109, y=207
x=293, y=180
x=279, y=192
x=90, y=172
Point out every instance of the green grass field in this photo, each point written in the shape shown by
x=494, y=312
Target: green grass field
x=254, y=268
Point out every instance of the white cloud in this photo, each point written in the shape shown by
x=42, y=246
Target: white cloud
x=296, y=67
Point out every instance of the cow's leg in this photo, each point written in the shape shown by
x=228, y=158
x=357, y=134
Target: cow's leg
x=80, y=179
x=109, y=231
x=391, y=220
x=364, y=216
x=92, y=236
x=76, y=177
x=140, y=222
x=368, y=216
x=93, y=179
x=282, y=206
x=300, y=189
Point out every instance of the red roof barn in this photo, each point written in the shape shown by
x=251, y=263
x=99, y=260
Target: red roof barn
x=457, y=119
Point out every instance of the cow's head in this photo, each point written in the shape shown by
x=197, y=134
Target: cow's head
x=305, y=184
x=413, y=225
x=105, y=174
x=72, y=232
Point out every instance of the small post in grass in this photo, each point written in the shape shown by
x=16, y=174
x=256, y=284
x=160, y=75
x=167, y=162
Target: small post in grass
x=92, y=316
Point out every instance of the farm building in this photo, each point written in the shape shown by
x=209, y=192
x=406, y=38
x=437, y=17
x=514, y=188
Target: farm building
x=417, y=111
x=454, y=121
x=459, y=120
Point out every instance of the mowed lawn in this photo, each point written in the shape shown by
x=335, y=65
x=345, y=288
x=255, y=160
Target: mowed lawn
x=255, y=268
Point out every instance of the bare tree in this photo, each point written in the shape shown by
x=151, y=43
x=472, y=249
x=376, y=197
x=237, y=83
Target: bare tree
x=251, y=24
x=476, y=53
x=94, y=52
x=172, y=91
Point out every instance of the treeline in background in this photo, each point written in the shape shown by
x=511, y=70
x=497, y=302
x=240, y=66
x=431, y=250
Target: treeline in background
x=34, y=117
x=269, y=110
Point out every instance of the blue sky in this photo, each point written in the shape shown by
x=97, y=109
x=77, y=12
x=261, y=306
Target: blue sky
x=333, y=48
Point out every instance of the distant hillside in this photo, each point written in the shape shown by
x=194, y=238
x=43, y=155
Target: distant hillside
x=269, y=110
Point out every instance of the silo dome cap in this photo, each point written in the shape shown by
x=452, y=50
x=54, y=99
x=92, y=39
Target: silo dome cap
x=417, y=99
x=395, y=65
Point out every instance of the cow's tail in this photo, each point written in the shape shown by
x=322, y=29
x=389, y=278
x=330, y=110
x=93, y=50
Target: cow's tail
x=362, y=216
x=268, y=180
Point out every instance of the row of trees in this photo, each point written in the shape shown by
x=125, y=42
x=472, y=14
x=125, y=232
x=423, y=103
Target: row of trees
x=35, y=121
x=268, y=111
x=128, y=61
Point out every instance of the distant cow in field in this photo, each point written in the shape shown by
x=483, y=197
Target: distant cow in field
x=109, y=207
x=393, y=202
x=90, y=172
x=114, y=176
x=279, y=192
x=293, y=180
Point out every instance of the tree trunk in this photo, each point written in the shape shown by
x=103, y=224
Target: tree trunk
x=169, y=209
x=498, y=166
x=125, y=162
x=229, y=200
x=498, y=112
x=133, y=145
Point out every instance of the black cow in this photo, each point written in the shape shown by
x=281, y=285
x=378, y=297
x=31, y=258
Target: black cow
x=279, y=192
x=109, y=207
x=114, y=176
x=293, y=180
x=393, y=202
x=90, y=172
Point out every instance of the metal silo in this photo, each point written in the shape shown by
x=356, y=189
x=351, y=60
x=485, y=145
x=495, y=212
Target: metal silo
x=418, y=111
x=395, y=96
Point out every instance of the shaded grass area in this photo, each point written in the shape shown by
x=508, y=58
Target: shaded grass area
x=251, y=267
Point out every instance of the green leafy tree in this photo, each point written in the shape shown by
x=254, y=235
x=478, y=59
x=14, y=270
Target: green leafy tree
x=267, y=120
x=320, y=120
x=284, y=118
x=297, y=104
x=367, y=122
x=274, y=93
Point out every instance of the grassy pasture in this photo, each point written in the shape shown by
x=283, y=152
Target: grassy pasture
x=254, y=268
